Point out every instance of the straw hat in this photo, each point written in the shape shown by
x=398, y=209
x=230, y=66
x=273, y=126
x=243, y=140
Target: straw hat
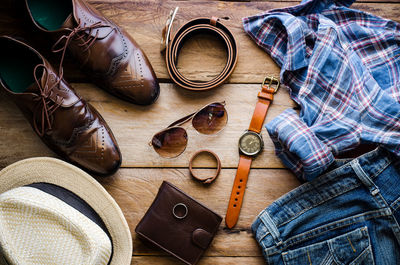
x=54, y=213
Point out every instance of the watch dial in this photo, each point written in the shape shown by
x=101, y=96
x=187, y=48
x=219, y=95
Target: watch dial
x=250, y=143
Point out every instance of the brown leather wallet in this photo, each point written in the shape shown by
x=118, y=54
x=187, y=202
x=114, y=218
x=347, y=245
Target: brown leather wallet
x=211, y=26
x=179, y=224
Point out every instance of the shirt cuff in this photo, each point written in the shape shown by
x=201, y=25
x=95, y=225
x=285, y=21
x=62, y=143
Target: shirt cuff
x=298, y=147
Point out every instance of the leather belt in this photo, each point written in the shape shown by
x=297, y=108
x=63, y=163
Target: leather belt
x=199, y=25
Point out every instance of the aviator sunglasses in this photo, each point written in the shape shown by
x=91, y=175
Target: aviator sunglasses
x=172, y=141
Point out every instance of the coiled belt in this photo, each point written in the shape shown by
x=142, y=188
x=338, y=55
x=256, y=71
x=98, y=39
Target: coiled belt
x=199, y=25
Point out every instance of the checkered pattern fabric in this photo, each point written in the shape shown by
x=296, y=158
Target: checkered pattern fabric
x=342, y=67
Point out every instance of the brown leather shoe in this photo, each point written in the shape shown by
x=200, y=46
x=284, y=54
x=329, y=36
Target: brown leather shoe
x=106, y=52
x=65, y=122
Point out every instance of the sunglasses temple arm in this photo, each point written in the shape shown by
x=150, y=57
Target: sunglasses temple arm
x=182, y=121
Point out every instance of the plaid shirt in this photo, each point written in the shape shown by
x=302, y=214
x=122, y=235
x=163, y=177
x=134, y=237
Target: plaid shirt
x=342, y=67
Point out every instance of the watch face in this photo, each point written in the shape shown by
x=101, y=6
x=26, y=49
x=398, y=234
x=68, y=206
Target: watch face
x=250, y=143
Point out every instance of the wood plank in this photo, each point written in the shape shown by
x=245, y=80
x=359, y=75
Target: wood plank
x=146, y=28
x=204, y=261
x=144, y=20
x=134, y=126
x=294, y=2
x=135, y=189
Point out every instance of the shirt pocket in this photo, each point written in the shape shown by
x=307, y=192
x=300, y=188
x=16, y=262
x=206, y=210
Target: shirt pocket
x=353, y=248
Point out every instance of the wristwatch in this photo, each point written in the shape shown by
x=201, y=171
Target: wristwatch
x=250, y=145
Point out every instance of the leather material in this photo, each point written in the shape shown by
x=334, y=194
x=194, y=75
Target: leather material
x=185, y=238
x=206, y=26
x=106, y=53
x=265, y=98
x=67, y=124
x=211, y=178
x=202, y=238
x=237, y=194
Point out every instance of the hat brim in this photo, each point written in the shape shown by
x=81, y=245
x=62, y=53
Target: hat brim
x=60, y=173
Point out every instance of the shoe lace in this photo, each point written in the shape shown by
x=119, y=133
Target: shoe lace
x=78, y=33
x=46, y=107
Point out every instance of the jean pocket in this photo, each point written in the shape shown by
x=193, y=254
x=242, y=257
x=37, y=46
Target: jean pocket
x=352, y=248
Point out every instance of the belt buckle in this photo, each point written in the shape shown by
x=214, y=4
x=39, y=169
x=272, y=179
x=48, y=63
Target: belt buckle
x=167, y=29
x=272, y=81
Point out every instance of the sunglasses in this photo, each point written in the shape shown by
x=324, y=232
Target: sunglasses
x=172, y=141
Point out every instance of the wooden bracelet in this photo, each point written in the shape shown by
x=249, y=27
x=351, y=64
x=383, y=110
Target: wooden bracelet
x=210, y=179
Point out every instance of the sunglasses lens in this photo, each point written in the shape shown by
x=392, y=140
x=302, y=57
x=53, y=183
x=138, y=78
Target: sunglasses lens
x=211, y=119
x=170, y=143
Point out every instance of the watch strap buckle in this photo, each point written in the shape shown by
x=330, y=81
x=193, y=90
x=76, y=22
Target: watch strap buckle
x=271, y=82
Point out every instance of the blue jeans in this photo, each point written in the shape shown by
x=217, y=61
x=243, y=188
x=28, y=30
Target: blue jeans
x=350, y=215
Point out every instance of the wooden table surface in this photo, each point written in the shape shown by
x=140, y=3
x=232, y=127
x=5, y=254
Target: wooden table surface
x=135, y=185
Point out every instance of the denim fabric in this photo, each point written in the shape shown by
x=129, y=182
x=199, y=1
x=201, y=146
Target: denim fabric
x=349, y=215
x=342, y=67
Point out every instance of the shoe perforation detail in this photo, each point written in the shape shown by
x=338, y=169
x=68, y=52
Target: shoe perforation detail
x=75, y=134
x=89, y=150
x=115, y=62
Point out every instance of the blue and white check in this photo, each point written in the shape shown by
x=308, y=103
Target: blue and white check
x=342, y=67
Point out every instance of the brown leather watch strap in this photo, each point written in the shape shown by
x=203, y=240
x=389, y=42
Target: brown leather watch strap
x=211, y=178
x=204, y=26
x=239, y=186
x=265, y=97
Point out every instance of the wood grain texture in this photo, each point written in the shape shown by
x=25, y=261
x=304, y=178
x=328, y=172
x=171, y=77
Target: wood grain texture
x=146, y=29
x=144, y=20
x=136, y=184
x=294, y=2
x=203, y=261
x=134, y=126
x=135, y=189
